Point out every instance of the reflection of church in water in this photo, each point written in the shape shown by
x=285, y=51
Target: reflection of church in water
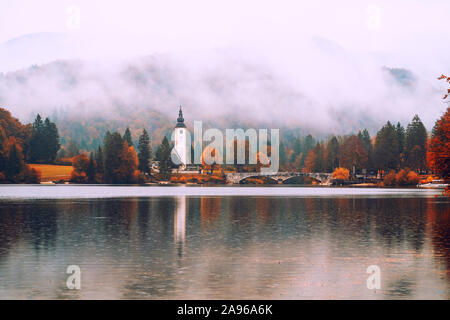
x=179, y=228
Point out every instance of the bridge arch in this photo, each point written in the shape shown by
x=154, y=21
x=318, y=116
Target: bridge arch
x=301, y=179
x=237, y=177
x=255, y=178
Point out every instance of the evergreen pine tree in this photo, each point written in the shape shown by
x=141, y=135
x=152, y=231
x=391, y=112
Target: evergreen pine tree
x=99, y=160
x=90, y=171
x=163, y=155
x=14, y=164
x=364, y=137
x=144, y=152
x=296, y=150
x=44, y=143
x=415, y=144
x=401, y=141
x=282, y=155
x=332, y=160
x=36, y=146
x=319, y=158
x=127, y=137
x=308, y=144
x=386, y=148
x=113, y=148
x=51, y=143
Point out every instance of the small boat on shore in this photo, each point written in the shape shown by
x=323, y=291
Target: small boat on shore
x=435, y=184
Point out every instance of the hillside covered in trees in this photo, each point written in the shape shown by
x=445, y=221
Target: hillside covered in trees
x=121, y=158
x=88, y=98
x=104, y=155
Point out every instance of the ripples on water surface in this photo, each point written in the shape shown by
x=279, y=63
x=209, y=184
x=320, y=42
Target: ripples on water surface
x=223, y=242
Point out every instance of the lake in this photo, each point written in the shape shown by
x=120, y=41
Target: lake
x=224, y=242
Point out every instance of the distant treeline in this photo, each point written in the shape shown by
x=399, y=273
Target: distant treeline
x=392, y=148
x=116, y=160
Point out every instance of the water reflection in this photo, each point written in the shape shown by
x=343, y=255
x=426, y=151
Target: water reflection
x=180, y=224
x=225, y=247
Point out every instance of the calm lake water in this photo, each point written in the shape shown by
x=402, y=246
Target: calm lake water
x=223, y=242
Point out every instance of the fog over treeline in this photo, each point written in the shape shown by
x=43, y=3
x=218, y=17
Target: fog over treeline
x=320, y=87
x=321, y=67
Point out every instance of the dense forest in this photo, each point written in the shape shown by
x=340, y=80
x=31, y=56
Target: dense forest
x=394, y=151
x=396, y=154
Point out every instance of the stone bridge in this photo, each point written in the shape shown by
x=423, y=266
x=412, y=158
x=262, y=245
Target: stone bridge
x=280, y=177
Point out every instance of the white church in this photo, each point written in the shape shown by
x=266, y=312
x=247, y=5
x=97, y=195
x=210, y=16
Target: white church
x=180, y=147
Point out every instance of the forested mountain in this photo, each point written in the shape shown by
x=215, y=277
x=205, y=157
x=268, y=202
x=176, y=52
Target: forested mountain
x=86, y=97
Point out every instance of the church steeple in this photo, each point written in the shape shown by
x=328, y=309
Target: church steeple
x=180, y=120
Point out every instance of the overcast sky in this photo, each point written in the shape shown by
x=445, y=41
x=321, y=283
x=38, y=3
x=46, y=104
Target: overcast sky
x=397, y=26
x=330, y=52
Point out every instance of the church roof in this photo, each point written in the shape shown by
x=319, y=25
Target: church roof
x=180, y=120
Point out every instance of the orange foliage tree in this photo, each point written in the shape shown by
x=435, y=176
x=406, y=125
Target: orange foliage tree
x=404, y=177
x=262, y=159
x=210, y=158
x=80, y=165
x=352, y=153
x=310, y=161
x=438, y=155
x=340, y=174
x=13, y=143
x=126, y=172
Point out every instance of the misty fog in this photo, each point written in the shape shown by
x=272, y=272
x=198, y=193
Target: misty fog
x=287, y=65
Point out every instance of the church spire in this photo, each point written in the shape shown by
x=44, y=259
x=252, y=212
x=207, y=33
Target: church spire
x=180, y=120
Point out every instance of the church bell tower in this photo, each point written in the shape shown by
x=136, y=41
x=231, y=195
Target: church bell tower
x=180, y=138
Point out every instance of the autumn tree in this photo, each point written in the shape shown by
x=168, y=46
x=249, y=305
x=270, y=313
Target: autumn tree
x=352, y=154
x=208, y=154
x=126, y=172
x=308, y=144
x=309, y=161
x=447, y=79
x=14, y=137
x=438, y=155
x=315, y=161
x=80, y=165
x=3, y=152
x=415, y=144
x=120, y=159
x=340, y=174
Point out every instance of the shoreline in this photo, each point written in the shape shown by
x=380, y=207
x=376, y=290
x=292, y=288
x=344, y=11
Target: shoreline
x=190, y=184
